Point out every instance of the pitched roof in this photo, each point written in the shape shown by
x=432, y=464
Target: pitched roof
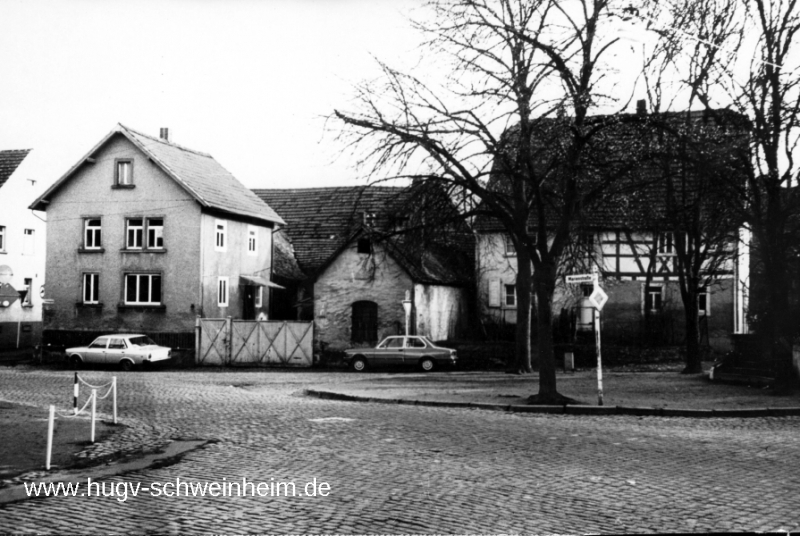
x=322, y=221
x=284, y=262
x=640, y=195
x=198, y=173
x=9, y=162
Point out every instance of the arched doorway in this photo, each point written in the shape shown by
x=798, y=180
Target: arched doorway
x=365, y=322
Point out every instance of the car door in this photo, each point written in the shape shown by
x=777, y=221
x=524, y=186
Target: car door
x=415, y=349
x=115, y=351
x=95, y=353
x=389, y=352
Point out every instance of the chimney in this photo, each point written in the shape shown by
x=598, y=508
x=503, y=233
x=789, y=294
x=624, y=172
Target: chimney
x=641, y=107
x=164, y=134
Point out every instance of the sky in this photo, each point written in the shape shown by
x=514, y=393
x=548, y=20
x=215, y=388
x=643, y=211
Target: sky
x=248, y=81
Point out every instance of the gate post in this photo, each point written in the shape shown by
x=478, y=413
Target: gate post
x=229, y=340
x=197, y=336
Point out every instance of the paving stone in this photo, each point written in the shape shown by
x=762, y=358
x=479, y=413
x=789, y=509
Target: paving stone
x=414, y=469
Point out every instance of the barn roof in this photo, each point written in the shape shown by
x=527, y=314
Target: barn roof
x=641, y=194
x=321, y=222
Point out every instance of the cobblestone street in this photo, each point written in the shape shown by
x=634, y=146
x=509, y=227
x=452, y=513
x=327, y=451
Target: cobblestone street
x=409, y=469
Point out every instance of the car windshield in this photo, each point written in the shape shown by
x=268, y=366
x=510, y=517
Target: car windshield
x=141, y=341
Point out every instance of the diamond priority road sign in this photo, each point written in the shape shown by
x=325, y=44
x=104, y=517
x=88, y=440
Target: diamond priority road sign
x=598, y=298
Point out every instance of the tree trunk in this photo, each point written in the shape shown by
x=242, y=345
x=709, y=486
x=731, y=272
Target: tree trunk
x=544, y=281
x=777, y=325
x=694, y=364
x=523, y=329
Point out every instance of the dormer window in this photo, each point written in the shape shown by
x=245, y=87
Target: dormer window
x=123, y=175
x=369, y=219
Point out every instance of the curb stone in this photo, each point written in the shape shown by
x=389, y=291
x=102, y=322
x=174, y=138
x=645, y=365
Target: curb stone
x=568, y=409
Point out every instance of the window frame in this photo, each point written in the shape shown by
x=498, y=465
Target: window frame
x=506, y=296
x=707, y=296
x=510, y=249
x=258, y=303
x=97, y=232
x=139, y=276
x=252, y=240
x=223, y=291
x=665, y=243
x=117, y=164
x=128, y=227
x=3, y=238
x=94, y=279
x=220, y=245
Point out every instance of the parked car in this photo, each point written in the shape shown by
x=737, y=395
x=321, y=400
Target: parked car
x=401, y=350
x=126, y=350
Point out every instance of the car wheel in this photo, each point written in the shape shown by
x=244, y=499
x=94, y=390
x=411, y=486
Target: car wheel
x=76, y=362
x=126, y=365
x=427, y=364
x=359, y=364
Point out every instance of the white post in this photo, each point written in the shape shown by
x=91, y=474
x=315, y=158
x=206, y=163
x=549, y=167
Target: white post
x=114, y=386
x=599, y=357
x=76, y=389
x=50, y=425
x=407, y=309
x=596, y=284
x=94, y=410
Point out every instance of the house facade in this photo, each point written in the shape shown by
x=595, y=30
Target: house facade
x=628, y=239
x=147, y=235
x=22, y=254
x=643, y=301
x=361, y=263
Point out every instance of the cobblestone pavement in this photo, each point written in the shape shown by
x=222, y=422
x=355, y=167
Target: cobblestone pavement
x=407, y=469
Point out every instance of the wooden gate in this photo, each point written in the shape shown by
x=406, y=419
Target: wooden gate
x=222, y=341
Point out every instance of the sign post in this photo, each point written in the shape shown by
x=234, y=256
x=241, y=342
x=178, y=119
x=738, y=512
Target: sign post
x=598, y=299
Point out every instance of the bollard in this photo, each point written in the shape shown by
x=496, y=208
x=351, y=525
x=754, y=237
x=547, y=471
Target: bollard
x=114, y=386
x=94, y=410
x=50, y=426
x=75, y=391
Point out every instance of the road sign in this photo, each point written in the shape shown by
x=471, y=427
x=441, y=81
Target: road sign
x=582, y=278
x=598, y=298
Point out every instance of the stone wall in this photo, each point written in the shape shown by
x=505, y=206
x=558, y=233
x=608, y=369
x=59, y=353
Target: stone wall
x=353, y=277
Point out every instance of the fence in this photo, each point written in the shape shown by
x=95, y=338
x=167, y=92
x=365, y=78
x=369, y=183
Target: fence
x=223, y=341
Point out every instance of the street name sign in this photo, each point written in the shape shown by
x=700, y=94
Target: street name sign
x=582, y=278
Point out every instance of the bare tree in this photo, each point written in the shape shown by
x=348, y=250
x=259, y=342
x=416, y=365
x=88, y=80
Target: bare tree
x=762, y=39
x=509, y=126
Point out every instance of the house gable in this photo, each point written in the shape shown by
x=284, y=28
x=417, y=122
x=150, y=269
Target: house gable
x=202, y=177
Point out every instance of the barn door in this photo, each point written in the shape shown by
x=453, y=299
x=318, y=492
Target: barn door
x=365, y=322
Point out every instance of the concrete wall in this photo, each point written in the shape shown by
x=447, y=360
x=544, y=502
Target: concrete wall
x=89, y=193
x=20, y=325
x=441, y=312
x=235, y=261
x=353, y=277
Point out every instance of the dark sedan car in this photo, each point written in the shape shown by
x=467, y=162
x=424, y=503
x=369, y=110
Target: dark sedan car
x=410, y=350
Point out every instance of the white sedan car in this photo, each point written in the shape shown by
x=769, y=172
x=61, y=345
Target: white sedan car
x=125, y=350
